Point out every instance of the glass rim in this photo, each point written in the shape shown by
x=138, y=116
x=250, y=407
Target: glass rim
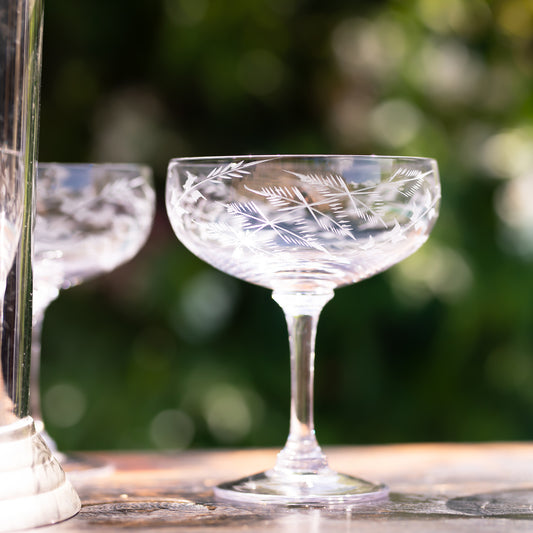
x=206, y=159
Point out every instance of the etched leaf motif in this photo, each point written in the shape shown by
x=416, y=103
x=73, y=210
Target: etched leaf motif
x=230, y=237
x=367, y=200
x=411, y=182
x=359, y=200
x=191, y=179
x=188, y=187
x=178, y=209
x=231, y=170
x=254, y=219
x=423, y=209
x=193, y=184
x=397, y=234
x=303, y=224
x=327, y=215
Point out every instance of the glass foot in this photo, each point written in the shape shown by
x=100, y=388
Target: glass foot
x=33, y=490
x=326, y=488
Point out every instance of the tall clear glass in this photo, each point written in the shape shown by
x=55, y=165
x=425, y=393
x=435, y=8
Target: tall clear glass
x=302, y=226
x=33, y=488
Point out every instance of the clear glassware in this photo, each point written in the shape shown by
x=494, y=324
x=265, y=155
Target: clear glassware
x=302, y=226
x=90, y=218
x=33, y=488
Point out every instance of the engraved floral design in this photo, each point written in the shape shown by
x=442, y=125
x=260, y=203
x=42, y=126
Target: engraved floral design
x=229, y=171
x=310, y=211
x=287, y=230
x=327, y=215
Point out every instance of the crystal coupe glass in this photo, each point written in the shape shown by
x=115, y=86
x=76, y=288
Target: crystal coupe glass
x=302, y=226
x=90, y=218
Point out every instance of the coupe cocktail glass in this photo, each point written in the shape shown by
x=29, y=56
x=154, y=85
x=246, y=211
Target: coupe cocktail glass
x=90, y=219
x=302, y=226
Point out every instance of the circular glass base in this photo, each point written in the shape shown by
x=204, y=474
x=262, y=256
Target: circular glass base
x=324, y=488
x=34, y=490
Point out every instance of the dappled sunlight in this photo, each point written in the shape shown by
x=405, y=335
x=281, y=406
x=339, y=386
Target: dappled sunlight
x=435, y=271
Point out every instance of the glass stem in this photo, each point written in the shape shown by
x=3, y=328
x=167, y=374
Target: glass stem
x=301, y=453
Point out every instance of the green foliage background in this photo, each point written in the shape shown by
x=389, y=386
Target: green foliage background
x=165, y=352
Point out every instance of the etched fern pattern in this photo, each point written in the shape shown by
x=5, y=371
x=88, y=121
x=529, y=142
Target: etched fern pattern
x=307, y=212
x=225, y=172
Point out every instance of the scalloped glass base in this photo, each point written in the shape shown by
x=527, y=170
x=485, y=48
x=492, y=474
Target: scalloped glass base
x=325, y=488
x=34, y=489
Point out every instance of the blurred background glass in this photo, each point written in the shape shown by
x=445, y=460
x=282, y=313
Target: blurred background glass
x=167, y=352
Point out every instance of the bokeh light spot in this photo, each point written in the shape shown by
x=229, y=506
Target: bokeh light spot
x=172, y=429
x=461, y=16
x=227, y=413
x=513, y=206
x=448, y=71
x=186, y=12
x=129, y=125
x=348, y=120
x=435, y=270
x=64, y=404
x=206, y=304
x=509, y=154
x=374, y=47
x=515, y=17
x=395, y=122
